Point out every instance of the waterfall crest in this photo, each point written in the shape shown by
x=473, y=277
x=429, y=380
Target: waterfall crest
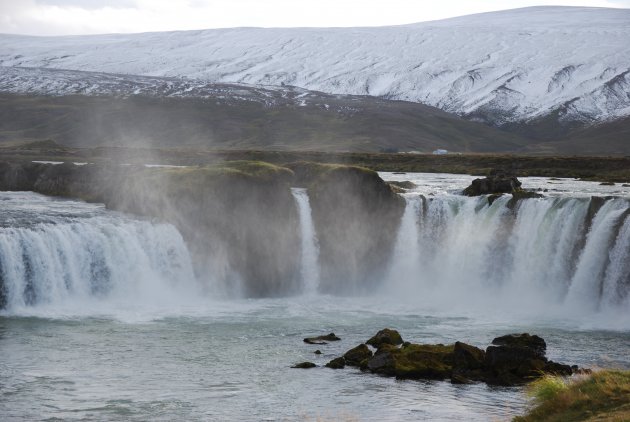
x=540, y=253
x=309, y=268
x=96, y=257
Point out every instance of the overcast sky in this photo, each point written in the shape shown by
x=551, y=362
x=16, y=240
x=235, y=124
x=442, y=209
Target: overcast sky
x=63, y=17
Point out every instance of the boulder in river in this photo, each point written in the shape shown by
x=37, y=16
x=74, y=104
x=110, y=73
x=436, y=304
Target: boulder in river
x=385, y=336
x=304, y=365
x=322, y=339
x=337, y=363
x=495, y=183
x=518, y=358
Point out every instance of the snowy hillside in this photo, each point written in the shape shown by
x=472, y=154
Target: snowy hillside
x=500, y=67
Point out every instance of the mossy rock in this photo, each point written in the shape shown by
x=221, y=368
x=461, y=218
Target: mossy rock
x=355, y=356
x=415, y=361
x=337, y=363
x=304, y=365
x=385, y=336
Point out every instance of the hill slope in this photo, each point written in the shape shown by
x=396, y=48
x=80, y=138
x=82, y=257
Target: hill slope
x=246, y=118
x=502, y=67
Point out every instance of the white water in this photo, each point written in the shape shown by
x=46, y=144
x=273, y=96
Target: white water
x=309, y=269
x=79, y=257
x=543, y=258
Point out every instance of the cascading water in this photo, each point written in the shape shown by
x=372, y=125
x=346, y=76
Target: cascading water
x=309, y=269
x=58, y=253
x=539, y=254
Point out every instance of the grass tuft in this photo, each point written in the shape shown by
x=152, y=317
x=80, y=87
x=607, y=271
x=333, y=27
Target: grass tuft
x=602, y=396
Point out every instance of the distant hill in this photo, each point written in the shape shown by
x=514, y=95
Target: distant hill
x=253, y=121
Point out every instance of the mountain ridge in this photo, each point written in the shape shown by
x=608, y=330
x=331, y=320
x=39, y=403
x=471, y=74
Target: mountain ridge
x=492, y=68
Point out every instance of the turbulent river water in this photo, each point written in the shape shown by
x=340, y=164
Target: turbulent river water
x=104, y=319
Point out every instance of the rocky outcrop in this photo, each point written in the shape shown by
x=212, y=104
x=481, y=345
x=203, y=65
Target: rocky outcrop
x=493, y=184
x=239, y=220
x=518, y=358
x=356, y=215
x=511, y=360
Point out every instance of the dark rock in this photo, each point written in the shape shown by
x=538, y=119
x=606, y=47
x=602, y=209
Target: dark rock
x=497, y=183
x=385, y=336
x=356, y=215
x=383, y=361
x=460, y=379
x=515, y=359
x=337, y=363
x=355, y=356
x=555, y=368
x=535, y=343
x=318, y=352
x=321, y=339
x=607, y=184
x=304, y=365
x=468, y=363
x=520, y=194
x=626, y=185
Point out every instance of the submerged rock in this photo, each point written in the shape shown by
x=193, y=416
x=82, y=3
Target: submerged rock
x=385, y=336
x=304, y=365
x=322, y=339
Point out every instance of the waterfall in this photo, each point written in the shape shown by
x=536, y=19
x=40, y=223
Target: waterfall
x=406, y=258
x=538, y=254
x=96, y=257
x=309, y=268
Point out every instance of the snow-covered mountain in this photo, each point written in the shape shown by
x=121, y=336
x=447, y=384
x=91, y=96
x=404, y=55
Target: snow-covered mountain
x=500, y=67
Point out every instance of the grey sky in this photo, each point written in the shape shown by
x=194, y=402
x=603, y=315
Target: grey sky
x=62, y=17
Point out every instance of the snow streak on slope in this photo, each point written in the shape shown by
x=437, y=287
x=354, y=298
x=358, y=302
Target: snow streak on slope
x=503, y=67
